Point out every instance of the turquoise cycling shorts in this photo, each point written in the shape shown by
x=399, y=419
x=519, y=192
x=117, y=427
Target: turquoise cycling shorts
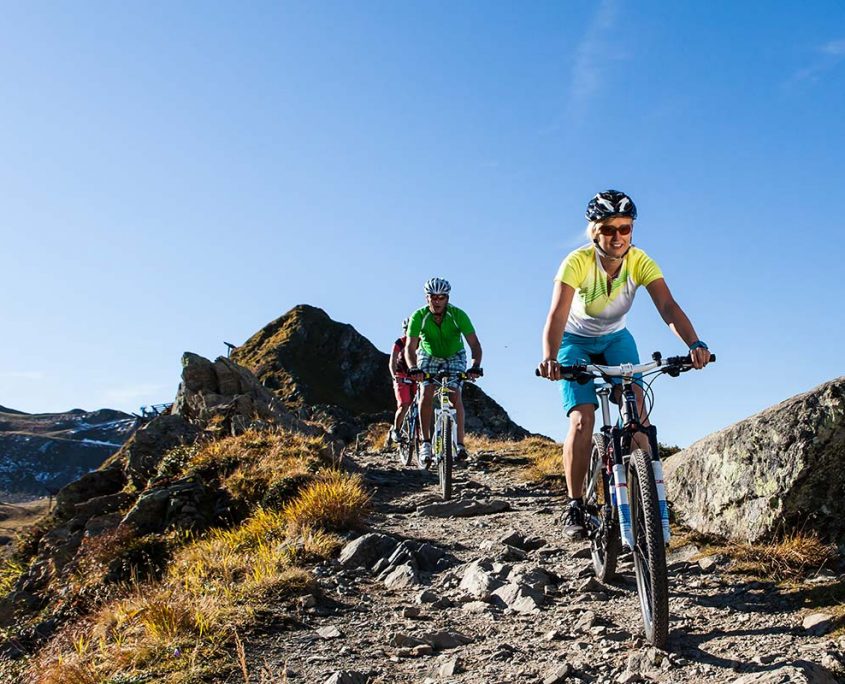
x=618, y=347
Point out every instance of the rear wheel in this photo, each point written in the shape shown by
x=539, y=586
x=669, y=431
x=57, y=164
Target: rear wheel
x=649, y=550
x=601, y=522
x=444, y=467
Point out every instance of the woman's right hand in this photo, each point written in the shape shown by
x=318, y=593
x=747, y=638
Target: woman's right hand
x=549, y=368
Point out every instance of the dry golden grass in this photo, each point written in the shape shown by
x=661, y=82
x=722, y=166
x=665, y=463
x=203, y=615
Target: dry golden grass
x=256, y=462
x=543, y=456
x=10, y=570
x=373, y=438
x=793, y=556
x=334, y=501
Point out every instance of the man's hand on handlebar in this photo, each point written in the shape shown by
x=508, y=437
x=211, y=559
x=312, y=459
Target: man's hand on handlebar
x=475, y=372
x=416, y=374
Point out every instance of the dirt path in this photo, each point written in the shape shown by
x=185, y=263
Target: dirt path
x=546, y=620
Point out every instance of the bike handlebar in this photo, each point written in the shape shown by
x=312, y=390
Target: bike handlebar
x=584, y=373
x=443, y=375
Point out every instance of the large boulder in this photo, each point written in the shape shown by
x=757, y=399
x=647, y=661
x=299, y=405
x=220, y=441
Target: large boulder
x=777, y=471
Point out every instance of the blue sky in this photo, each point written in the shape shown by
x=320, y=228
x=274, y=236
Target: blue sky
x=173, y=175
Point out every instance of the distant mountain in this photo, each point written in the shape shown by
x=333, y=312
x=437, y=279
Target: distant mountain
x=48, y=450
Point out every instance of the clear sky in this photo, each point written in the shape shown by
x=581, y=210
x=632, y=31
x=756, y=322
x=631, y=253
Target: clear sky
x=173, y=175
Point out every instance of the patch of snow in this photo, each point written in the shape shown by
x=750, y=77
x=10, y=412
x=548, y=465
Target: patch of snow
x=96, y=442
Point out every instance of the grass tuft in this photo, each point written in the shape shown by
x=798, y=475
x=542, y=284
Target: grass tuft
x=540, y=457
x=793, y=556
x=334, y=501
x=373, y=438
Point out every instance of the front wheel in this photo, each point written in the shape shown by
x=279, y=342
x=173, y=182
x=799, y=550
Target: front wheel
x=649, y=550
x=602, y=524
x=408, y=439
x=444, y=466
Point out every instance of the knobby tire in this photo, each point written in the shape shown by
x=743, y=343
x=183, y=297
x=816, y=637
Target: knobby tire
x=444, y=467
x=649, y=550
x=408, y=438
x=605, y=542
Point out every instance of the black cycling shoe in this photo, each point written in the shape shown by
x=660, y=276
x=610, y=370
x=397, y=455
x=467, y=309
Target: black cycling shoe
x=462, y=454
x=573, y=521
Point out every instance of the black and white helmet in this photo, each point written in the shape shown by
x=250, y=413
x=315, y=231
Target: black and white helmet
x=405, y=325
x=610, y=203
x=437, y=286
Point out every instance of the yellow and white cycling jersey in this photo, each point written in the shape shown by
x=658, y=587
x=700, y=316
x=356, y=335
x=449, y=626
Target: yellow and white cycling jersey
x=594, y=312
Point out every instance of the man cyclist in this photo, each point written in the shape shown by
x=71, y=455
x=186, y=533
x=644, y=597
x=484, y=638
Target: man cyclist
x=403, y=391
x=434, y=346
x=593, y=290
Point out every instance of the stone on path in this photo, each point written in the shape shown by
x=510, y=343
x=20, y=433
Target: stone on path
x=346, y=677
x=558, y=675
x=464, y=508
x=366, y=550
x=443, y=640
x=330, y=632
x=402, y=577
x=520, y=598
x=799, y=672
x=449, y=667
x=818, y=623
x=479, y=581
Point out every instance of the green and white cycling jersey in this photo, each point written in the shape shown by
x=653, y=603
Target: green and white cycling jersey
x=442, y=340
x=594, y=312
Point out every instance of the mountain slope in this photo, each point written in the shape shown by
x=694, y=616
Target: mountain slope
x=48, y=450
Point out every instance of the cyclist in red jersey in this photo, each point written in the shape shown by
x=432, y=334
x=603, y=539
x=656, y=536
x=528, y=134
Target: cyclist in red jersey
x=404, y=392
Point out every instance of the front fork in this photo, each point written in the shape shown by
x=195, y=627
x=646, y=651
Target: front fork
x=621, y=441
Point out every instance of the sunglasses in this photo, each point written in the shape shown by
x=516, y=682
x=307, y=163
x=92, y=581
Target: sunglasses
x=438, y=298
x=610, y=230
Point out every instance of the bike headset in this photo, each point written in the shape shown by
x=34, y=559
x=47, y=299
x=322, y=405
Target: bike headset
x=606, y=205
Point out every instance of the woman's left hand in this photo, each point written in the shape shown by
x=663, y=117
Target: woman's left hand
x=700, y=357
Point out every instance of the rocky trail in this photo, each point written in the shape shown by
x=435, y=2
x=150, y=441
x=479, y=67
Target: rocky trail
x=485, y=589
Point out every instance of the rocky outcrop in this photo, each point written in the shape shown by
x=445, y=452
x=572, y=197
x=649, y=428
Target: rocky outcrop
x=187, y=504
x=777, y=471
x=145, y=450
x=335, y=375
x=91, y=485
x=226, y=390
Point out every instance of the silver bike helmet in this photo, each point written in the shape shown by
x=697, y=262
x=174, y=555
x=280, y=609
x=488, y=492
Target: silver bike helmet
x=437, y=286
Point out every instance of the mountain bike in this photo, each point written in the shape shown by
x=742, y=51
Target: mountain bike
x=408, y=431
x=624, y=492
x=444, y=443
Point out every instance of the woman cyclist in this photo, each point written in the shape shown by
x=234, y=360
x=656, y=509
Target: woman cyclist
x=593, y=290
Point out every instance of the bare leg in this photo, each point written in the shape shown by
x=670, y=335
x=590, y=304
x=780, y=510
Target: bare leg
x=426, y=411
x=641, y=440
x=458, y=403
x=576, y=447
x=400, y=416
